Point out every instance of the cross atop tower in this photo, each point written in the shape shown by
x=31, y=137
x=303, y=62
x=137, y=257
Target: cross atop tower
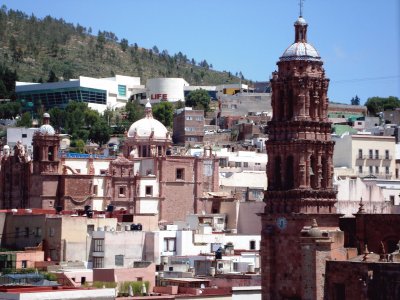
x=301, y=3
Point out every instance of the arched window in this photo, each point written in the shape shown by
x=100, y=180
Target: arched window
x=313, y=172
x=277, y=173
x=325, y=170
x=289, y=184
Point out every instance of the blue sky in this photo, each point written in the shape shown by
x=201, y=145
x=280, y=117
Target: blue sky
x=359, y=40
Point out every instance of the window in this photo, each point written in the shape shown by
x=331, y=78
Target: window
x=235, y=266
x=376, y=170
x=238, y=164
x=220, y=220
x=24, y=135
x=370, y=169
x=38, y=232
x=387, y=170
x=16, y=232
x=51, y=231
x=397, y=173
x=199, y=118
x=98, y=245
x=180, y=174
x=376, y=154
x=119, y=260
x=258, y=164
x=26, y=231
x=391, y=199
x=121, y=90
x=189, y=118
x=370, y=153
x=252, y=245
x=122, y=191
x=360, y=153
x=83, y=280
x=103, y=172
x=139, y=278
x=90, y=228
x=149, y=190
x=223, y=162
x=245, y=164
x=387, y=154
x=169, y=244
x=98, y=262
x=360, y=169
x=95, y=189
x=24, y=264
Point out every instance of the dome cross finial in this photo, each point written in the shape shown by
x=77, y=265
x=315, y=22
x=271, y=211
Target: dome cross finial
x=301, y=3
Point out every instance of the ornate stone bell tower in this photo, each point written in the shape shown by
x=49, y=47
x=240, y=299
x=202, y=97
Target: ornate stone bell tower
x=299, y=167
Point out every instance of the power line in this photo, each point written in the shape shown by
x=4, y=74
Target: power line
x=366, y=79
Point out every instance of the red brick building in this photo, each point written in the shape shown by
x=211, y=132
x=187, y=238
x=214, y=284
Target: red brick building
x=147, y=181
x=188, y=126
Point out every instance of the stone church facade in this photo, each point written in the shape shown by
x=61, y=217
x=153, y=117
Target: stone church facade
x=147, y=182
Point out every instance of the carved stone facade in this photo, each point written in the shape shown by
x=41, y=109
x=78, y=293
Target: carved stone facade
x=147, y=182
x=300, y=192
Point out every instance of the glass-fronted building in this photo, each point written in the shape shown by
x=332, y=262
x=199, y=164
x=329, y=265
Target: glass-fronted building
x=99, y=93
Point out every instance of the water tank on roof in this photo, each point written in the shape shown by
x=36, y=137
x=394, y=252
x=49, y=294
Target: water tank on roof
x=133, y=227
x=139, y=227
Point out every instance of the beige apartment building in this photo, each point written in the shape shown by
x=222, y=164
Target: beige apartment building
x=365, y=155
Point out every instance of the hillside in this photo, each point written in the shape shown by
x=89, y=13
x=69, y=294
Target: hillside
x=39, y=50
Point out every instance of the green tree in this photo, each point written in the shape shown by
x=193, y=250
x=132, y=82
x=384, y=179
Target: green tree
x=379, y=104
x=57, y=118
x=124, y=44
x=134, y=111
x=164, y=112
x=100, y=133
x=198, y=99
x=355, y=100
x=52, y=77
x=92, y=117
x=25, y=120
x=80, y=146
x=179, y=104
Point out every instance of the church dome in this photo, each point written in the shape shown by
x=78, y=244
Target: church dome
x=143, y=128
x=300, y=51
x=47, y=129
x=148, y=127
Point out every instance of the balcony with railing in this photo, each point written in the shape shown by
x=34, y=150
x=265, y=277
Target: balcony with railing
x=380, y=175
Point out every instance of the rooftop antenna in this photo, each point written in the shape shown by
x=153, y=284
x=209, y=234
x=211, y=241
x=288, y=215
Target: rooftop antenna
x=301, y=2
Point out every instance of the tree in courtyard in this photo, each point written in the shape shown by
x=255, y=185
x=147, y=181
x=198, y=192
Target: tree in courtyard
x=100, y=133
x=198, y=99
x=164, y=112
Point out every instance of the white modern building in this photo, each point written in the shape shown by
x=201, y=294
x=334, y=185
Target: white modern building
x=99, y=93
x=165, y=89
